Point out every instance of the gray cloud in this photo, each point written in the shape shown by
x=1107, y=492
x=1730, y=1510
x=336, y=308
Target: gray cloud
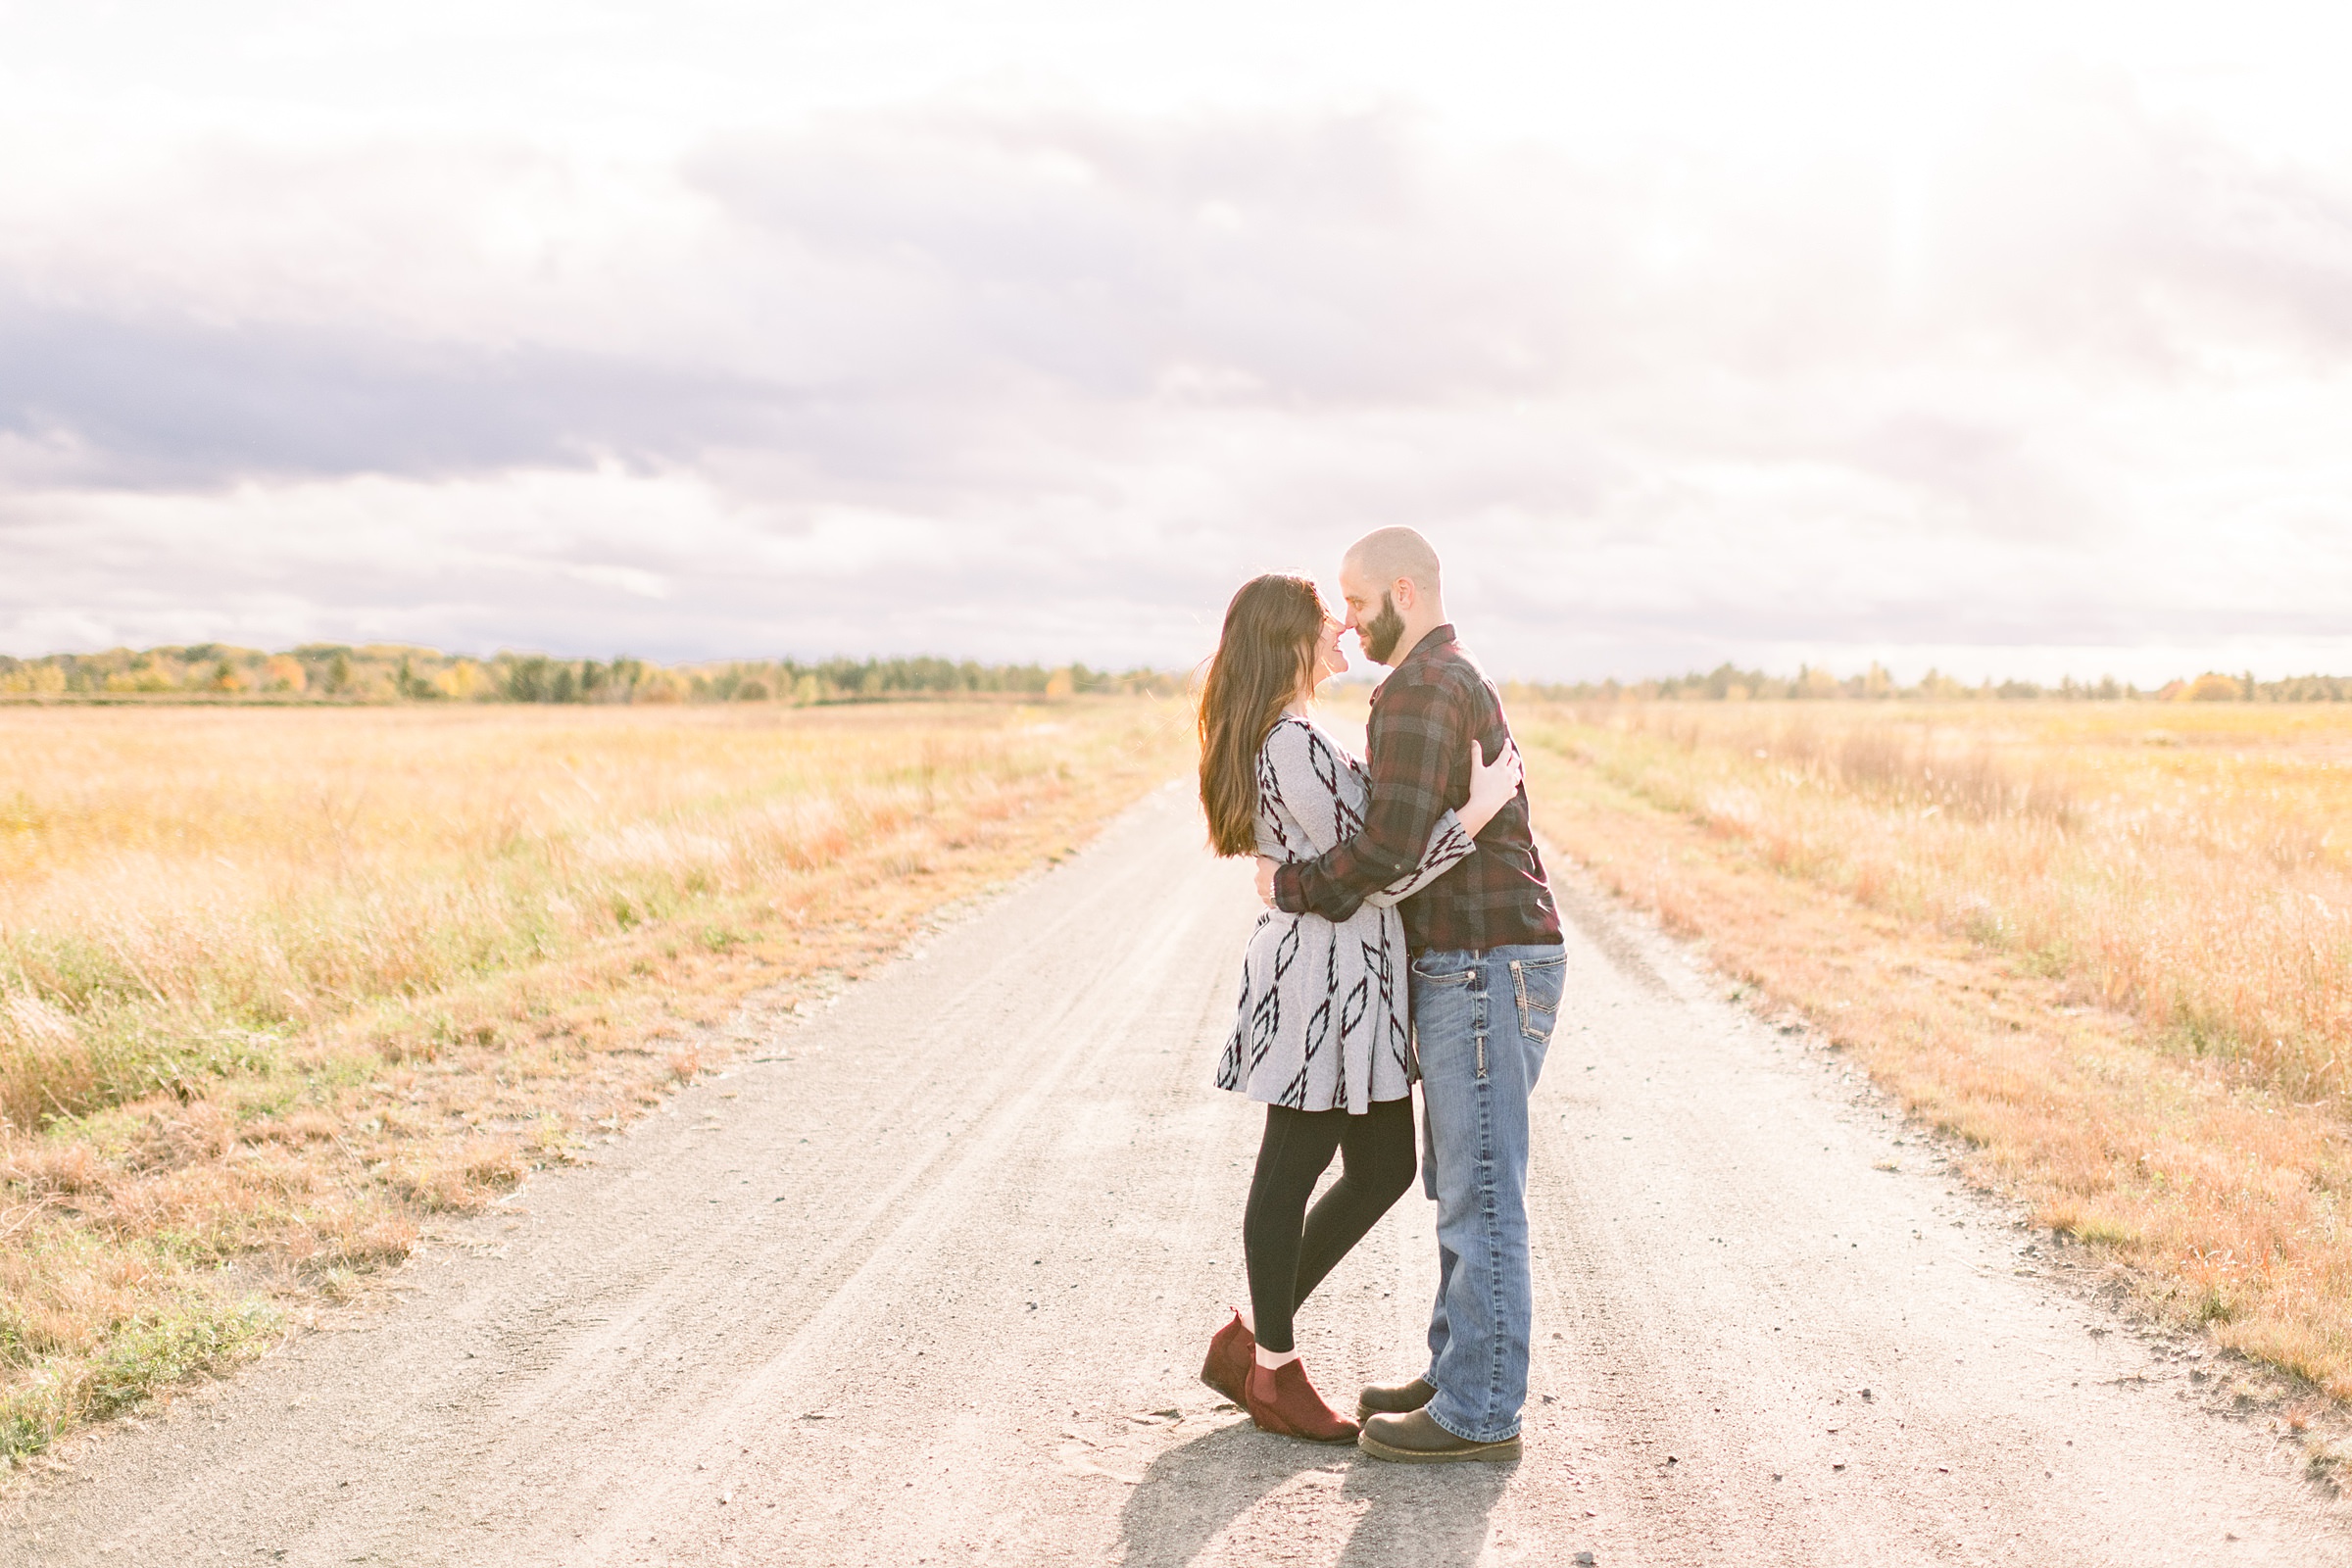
x=147, y=403
x=1031, y=385
x=1321, y=260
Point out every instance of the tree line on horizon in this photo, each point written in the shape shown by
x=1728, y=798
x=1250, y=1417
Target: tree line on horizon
x=1729, y=683
x=391, y=672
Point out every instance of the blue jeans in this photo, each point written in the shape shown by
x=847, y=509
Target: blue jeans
x=1481, y=1024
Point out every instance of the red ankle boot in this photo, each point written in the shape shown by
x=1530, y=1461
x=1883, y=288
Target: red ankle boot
x=1283, y=1401
x=1231, y=1352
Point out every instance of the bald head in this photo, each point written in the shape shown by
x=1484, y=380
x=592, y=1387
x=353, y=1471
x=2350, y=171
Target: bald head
x=1386, y=555
x=1389, y=580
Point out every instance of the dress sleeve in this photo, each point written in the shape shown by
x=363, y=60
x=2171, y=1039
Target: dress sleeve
x=1450, y=844
x=1298, y=809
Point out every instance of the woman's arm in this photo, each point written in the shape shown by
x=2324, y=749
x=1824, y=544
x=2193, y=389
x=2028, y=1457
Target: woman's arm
x=1451, y=843
x=1493, y=785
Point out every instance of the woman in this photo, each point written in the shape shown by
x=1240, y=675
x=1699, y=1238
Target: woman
x=1322, y=1034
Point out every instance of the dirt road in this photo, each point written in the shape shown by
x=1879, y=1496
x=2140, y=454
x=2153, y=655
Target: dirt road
x=930, y=1284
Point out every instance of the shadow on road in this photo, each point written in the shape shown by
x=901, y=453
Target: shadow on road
x=1266, y=1492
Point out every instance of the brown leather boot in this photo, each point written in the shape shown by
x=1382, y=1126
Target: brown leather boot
x=1282, y=1401
x=1414, y=1439
x=1393, y=1398
x=1232, y=1351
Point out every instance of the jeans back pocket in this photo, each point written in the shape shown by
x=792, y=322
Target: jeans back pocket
x=1537, y=983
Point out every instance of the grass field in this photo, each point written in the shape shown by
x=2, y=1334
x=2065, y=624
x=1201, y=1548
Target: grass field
x=276, y=985
x=2110, y=944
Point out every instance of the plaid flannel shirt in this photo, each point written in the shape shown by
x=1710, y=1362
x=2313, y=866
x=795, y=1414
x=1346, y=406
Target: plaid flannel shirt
x=1424, y=718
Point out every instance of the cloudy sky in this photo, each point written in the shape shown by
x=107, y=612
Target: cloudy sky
x=2011, y=338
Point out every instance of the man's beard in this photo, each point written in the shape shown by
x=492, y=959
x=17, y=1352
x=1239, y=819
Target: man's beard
x=1381, y=632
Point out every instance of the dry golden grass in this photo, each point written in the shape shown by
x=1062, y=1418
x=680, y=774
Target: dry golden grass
x=2107, y=943
x=273, y=985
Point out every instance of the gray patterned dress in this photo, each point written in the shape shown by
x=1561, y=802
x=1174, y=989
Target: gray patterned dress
x=1324, y=1022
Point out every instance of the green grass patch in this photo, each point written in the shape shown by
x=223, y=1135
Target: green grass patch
x=141, y=1357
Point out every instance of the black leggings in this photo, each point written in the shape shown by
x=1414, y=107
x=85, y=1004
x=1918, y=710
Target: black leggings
x=1289, y=1250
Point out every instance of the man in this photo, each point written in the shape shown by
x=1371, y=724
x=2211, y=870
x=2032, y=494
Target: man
x=1487, y=965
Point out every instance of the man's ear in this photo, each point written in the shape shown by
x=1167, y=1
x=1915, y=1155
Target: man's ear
x=1406, y=593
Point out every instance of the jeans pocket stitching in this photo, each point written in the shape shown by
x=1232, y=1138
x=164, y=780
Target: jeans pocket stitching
x=1527, y=1012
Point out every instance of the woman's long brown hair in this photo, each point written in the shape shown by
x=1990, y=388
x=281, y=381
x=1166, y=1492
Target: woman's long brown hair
x=1261, y=665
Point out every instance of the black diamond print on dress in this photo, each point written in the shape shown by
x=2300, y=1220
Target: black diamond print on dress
x=1318, y=1029
x=1295, y=1096
x=1326, y=765
x=1229, y=1065
x=1264, y=1024
x=1352, y=1014
x=1286, y=949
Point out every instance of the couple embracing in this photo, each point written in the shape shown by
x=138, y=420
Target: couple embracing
x=1410, y=937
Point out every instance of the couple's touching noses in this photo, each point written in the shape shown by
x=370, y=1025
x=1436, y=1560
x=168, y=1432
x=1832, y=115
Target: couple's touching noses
x=1410, y=937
